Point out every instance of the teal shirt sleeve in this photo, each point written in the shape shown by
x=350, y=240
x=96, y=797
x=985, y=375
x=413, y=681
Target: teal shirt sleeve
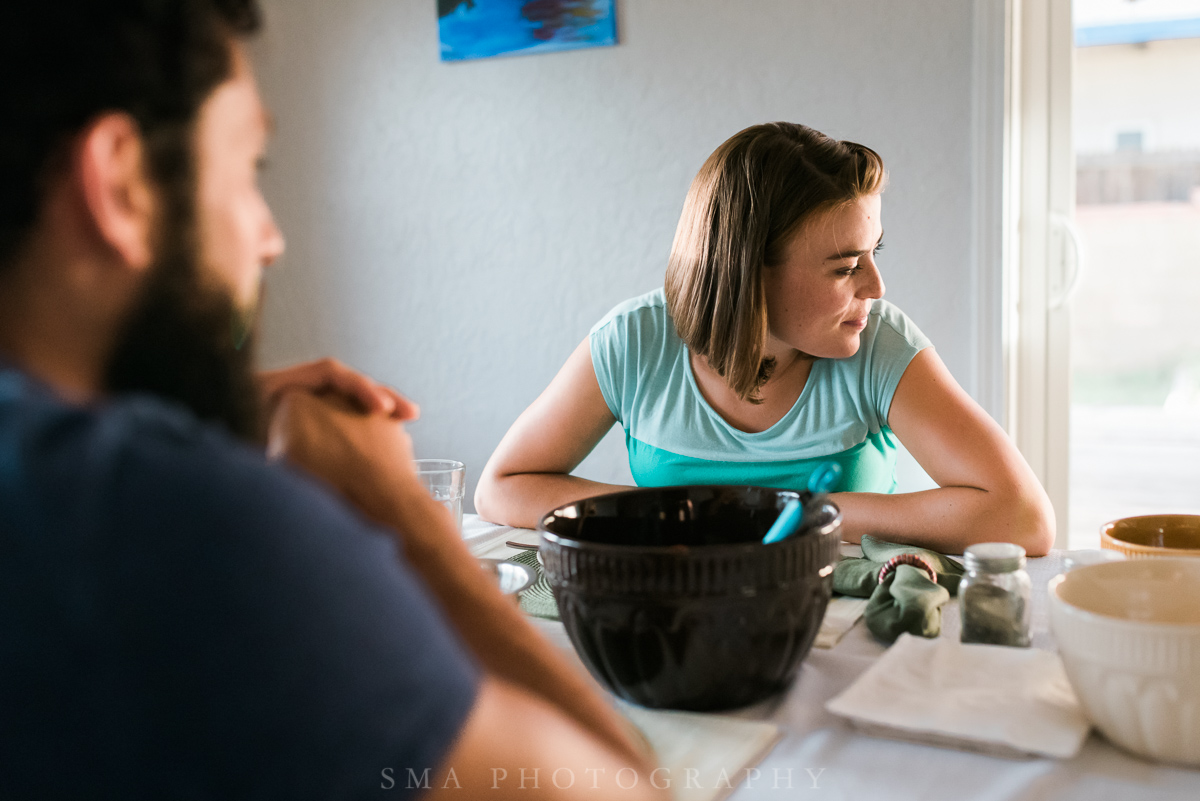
x=626, y=346
x=893, y=343
x=609, y=356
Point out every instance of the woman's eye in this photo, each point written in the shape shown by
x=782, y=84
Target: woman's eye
x=878, y=248
x=848, y=271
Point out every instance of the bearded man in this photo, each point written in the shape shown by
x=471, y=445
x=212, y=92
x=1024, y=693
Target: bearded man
x=179, y=615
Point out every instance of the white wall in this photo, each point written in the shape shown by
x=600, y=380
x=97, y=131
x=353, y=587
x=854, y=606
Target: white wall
x=456, y=229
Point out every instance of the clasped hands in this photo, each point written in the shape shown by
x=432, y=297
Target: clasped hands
x=344, y=428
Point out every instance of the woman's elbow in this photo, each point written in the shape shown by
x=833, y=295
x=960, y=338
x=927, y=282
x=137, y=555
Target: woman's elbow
x=1019, y=516
x=487, y=497
x=1042, y=530
x=1031, y=523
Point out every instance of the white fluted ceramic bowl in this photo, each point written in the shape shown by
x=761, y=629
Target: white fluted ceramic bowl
x=1129, y=637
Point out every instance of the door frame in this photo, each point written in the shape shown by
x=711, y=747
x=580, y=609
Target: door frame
x=1044, y=260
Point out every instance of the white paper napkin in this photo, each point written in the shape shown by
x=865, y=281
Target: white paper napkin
x=1009, y=701
x=704, y=757
x=487, y=539
x=840, y=616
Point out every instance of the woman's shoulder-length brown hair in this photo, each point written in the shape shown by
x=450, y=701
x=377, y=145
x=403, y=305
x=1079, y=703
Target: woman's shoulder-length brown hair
x=752, y=194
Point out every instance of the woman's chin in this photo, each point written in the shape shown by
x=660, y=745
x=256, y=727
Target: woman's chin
x=844, y=349
x=840, y=345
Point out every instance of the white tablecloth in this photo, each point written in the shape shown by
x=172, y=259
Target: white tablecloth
x=852, y=766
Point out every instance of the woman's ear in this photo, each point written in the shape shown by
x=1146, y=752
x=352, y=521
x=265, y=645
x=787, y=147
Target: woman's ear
x=115, y=188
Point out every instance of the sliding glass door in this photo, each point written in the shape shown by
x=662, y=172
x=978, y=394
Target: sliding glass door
x=1134, y=337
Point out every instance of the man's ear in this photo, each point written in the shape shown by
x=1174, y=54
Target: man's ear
x=115, y=187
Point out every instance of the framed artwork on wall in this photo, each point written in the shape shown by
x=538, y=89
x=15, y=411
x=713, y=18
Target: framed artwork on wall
x=471, y=29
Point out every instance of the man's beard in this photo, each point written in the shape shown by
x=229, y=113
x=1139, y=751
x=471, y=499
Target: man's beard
x=188, y=342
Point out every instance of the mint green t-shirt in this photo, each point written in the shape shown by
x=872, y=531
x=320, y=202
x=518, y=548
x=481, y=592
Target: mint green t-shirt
x=675, y=437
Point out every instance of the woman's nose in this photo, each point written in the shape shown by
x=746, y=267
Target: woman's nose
x=872, y=285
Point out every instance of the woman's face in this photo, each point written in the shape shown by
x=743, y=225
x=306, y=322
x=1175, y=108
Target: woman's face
x=819, y=297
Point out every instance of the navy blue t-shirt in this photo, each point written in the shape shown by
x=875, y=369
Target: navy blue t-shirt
x=181, y=619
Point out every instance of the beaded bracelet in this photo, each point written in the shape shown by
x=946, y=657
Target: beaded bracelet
x=907, y=559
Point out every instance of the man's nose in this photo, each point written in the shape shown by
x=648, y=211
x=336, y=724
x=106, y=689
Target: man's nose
x=273, y=244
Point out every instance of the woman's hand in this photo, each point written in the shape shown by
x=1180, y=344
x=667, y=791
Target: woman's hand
x=329, y=376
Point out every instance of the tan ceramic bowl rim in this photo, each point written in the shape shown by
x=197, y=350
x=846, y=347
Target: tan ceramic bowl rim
x=1157, y=550
x=1096, y=618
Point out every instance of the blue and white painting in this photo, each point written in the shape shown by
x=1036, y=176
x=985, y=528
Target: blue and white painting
x=483, y=28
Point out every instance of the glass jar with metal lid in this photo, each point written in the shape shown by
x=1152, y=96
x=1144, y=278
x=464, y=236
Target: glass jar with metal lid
x=994, y=595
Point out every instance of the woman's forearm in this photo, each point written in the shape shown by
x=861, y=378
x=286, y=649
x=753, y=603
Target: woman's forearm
x=948, y=519
x=521, y=499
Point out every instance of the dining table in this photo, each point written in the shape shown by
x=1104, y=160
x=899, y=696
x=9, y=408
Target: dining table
x=820, y=755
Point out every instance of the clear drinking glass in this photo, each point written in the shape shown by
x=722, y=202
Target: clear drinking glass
x=446, y=481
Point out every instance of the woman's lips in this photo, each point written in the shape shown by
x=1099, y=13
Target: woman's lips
x=858, y=324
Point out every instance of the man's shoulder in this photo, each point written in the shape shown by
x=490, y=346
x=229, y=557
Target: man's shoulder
x=29, y=408
x=139, y=487
x=211, y=591
x=128, y=457
x=38, y=425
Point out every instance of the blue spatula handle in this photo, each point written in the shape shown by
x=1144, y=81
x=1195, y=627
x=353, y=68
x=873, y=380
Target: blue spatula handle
x=786, y=524
x=825, y=477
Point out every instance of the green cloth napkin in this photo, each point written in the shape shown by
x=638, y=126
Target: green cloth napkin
x=907, y=600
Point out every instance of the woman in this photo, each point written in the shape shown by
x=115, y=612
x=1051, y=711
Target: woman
x=769, y=351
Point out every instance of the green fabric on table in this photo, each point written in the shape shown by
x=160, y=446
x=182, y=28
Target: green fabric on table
x=907, y=600
x=856, y=577
x=949, y=571
x=537, y=599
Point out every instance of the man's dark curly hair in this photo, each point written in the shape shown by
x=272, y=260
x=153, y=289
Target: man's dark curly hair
x=65, y=62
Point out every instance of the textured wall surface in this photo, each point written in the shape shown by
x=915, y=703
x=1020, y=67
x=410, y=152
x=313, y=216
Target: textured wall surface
x=456, y=229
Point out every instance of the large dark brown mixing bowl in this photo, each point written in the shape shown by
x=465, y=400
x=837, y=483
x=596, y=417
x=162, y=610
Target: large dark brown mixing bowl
x=672, y=600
